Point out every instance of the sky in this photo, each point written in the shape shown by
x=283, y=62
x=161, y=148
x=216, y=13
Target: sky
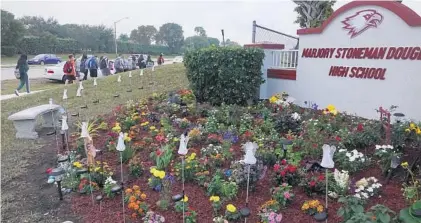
x=235, y=17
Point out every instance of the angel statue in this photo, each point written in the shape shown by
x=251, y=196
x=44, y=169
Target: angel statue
x=91, y=151
x=250, y=149
x=120, y=144
x=184, y=140
x=327, y=160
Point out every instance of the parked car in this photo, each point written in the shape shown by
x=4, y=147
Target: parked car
x=44, y=59
x=178, y=59
x=56, y=72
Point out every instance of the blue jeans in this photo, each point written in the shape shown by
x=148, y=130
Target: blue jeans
x=24, y=80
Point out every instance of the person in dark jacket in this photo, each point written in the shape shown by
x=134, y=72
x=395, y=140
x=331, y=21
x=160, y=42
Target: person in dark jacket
x=23, y=68
x=83, y=68
x=93, y=66
x=103, y=66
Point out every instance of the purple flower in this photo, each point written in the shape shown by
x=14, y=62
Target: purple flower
x=314, y=106
x=229, y=136
x=170, y=178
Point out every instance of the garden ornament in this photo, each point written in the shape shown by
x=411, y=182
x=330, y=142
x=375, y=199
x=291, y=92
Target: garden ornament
x=182, y=150
x=54, y=132
x=153, y=68
x=119, y=78
x=64, y=125
x=65, y=94
x=130, y=74
x=249, y=159
x=79, y=92
x=99, y=200
x=327, y=162
x=121, y=147
x=95, y=83
x=141, y=72
x=285, y=144
x=85, y=134
x=399, y=117
x=81, y=85
x=91, y=151
x=64, y=128
x=394, y=163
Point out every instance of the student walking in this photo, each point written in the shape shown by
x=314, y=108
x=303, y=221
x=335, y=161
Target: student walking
x=103, y=66
x=93, y=67
x=119, y=64
x=22, y=67
x=83, y=68
x=69, y=69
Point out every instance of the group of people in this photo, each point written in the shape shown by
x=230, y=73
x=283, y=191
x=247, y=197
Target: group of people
x=73, y=69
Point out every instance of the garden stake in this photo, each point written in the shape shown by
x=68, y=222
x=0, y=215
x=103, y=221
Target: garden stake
x=85, y=134
x=121, y=147
x=249, y=159
x=54, y=125
x=64, y=129
x=327, y=162
x=130, y=81
x=182, y=150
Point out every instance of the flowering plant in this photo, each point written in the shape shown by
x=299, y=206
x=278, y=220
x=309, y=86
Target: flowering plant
x=367, y=187
x=86, y=187
x=152, y=217
x=109, y=183
x=270, y=217
x=283, y=194
x=314, y=182
x=385, y=153
x=286, y=173
x=352, y=161
x=216, y=203
x=219, y=219
x=341, y=183
x=136, y=166
x=330, y=109
x=178, y=206
x=270, y=205
x=312, y=207
x=191, y=216
x=155, y=181
x=136, y=201
x=411, y=189
x=231, y=213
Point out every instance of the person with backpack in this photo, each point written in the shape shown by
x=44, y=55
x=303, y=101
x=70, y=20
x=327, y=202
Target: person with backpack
x=160, y=59
x=134, y=62
x=93, y=67
x=103, y=66
x=141, y=62
x=22, y=67
x=119, y=64
x=82, y=67
x=69, y=69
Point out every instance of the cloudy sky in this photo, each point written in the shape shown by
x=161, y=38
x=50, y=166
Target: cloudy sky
x=235, y=17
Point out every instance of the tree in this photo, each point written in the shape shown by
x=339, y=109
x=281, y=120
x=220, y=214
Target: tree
x=12, y=31
x=313, y=13
x=144, y=35
x=171, y=34
x=213, y=41
x=200, y=31
x=123, y=37
x=230, y=43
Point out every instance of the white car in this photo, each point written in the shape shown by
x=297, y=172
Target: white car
x=178, y=59
x=56, y=72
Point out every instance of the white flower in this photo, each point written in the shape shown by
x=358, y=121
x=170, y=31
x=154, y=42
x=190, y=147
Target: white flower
x=352, y=159
x=389, y=147
x=341, y=150
x=361, y=187
x=348, y=154
x=358, y=195
x=357, y=190
x=370, y=189
x=378, y=147
x=296, y=116
x=363, y=159
x=364, y=194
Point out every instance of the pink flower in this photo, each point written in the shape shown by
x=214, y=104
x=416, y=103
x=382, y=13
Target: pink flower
x=272, y=216
x=276, y=167
x=278, y=218
x=284, y=184
x=287, y=195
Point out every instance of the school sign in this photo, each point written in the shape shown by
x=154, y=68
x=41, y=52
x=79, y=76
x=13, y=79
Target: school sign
x=366, y=55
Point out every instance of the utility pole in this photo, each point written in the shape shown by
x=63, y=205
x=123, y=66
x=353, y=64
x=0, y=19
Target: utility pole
x=223, y=37
x=115, y=34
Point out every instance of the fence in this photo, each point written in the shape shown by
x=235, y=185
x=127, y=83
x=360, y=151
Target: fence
x=262, y=34
x=284, y=59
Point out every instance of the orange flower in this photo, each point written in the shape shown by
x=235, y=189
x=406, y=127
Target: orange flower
x=140, y=211
x=136, y=207
x=134, y=215
x=128, y=191
x=138, y=193
x=132, y=199
x=143, y=196
x=135, y=187
x=131, y=204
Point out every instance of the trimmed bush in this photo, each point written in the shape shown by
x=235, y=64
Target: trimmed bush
x=8, y=50
x=224, y=74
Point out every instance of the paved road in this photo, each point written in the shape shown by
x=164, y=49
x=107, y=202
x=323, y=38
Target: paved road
x=35, y=71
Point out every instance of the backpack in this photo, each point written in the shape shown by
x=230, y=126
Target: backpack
x=92, y=64
x=118, y=63
x=82, y=65
x=67, y=68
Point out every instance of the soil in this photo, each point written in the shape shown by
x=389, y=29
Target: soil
x=111, y=209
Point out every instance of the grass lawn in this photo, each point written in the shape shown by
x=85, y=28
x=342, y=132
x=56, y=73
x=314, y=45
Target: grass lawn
x=13, y=60
x=9, y=86
x=19, y=158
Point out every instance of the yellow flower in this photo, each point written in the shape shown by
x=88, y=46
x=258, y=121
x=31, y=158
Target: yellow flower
x=117, y=127
x=175, y=139
x=273, y=99
x=77, y=165
x=320, y=208
x=231, y=208
x=331, y=108
x=153, y=170
x=152, y=128
x=418, y=131
x=412, y=126
x=185, y=199
x=214, y=198
x=407, y=130
x=160, y=174
x=143, y=113
x=305, y=206
x=97, y=169
x=127, y=138
x=404, y=164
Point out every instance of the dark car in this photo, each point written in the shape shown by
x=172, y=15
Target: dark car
x=45, y=59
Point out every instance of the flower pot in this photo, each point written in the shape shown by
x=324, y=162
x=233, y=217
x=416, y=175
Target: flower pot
x=320, y=217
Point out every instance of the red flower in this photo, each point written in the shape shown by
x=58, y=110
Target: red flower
x=276, y=167
x=283, y=162
x=360, y=127
x=160, y=138
x=338, y=138
x=292, y=168
x=283, y=173
x=248, y=134
x=321, y=178
x=158, y=152
x=312, y=183
x=188, y=213
x=314, y=145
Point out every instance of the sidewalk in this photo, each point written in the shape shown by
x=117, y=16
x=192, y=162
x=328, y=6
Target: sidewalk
x=9, y=96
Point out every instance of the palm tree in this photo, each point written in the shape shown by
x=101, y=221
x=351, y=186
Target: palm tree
x=312, y=13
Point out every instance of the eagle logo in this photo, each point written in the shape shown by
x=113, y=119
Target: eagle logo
x=361, y=21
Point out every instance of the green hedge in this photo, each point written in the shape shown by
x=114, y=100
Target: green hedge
x=225, y=75
x=8, y=51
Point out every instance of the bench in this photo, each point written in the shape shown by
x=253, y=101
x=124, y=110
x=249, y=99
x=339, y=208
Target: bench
x=25, y=121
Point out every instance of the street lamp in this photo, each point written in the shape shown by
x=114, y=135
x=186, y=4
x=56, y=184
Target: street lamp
x=115, y=33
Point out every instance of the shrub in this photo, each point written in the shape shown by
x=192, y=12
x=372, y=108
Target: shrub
x=225, y=75
x=8, y=50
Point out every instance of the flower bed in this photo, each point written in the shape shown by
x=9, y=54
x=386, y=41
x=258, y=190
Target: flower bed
x=282, y=189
